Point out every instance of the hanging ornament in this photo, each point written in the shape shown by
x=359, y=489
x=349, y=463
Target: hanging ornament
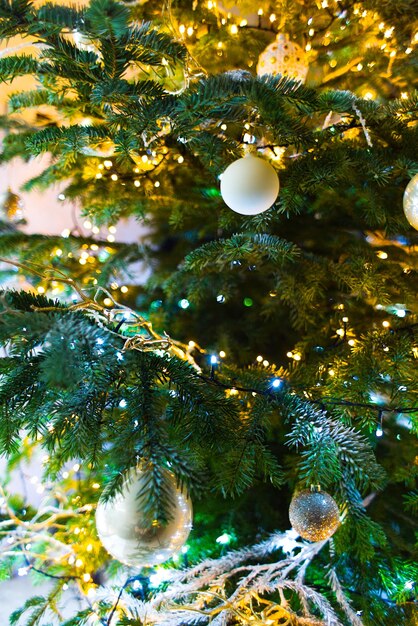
x=103, y=149
x=410, y=202
x=314, y=514
x=11, y=207
x=83, y=42
x=284, y=57
x=250, y=185
x=128, y=538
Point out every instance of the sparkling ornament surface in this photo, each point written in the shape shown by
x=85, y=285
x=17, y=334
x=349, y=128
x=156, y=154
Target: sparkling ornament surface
x=12, y=206
x=410, y=202
x=314, y=515
x=249, y=185
x=121, y=528
x=284, y=57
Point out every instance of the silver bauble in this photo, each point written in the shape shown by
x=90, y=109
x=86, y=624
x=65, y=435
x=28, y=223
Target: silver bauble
x=410, y=202
x=123, y=532
x=314, y=515
x=249, y=185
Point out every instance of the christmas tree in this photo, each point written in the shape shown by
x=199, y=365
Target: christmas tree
x=265, y=362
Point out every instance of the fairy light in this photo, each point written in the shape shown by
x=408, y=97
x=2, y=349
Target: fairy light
x=259, y=359
x=86, y=578
x=87, y=224
x=114, y=177
x=79, y=563
x=233, y=29
x=157, y=183
x=190, y=31
x=266, y=363
x=385, y=324
x=182, y=29
x=108, y=164
x=108, y=302
x=41, y=289
x=124, y=289
x=222, y=354
x=180, y=159
x=273, y=18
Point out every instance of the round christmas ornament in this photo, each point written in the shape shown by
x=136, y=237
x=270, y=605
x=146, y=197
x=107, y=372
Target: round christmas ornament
x=11, y=207
x=250, y=185
x=410, y=202
x=128, y=538
x=314, y=514
x=284, y=57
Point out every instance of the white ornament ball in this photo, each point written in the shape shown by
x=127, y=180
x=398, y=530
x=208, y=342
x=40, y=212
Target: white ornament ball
x=410, y=202
x=284, y=57
x=122, y=531
x=250, y=185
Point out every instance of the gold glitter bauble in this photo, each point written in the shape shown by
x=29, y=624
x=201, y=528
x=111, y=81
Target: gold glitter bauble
x=314, y=515
x=284, y=57
x=128, y=538
x=11, y=206
x=410, y=202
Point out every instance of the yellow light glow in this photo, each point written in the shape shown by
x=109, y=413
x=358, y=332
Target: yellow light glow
x=273, y=18
x=382, y=254
x=114, y=177
x=79, y=563
x=266, y=363
x=331, y=372
x=233, y=29
x=297, y=356
x=107, y=302
x=385, y=324
x=124, y=289
x=137, y=183
x=190, y=31
x=107, y=164
x=259, y=358
x=222, y=354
